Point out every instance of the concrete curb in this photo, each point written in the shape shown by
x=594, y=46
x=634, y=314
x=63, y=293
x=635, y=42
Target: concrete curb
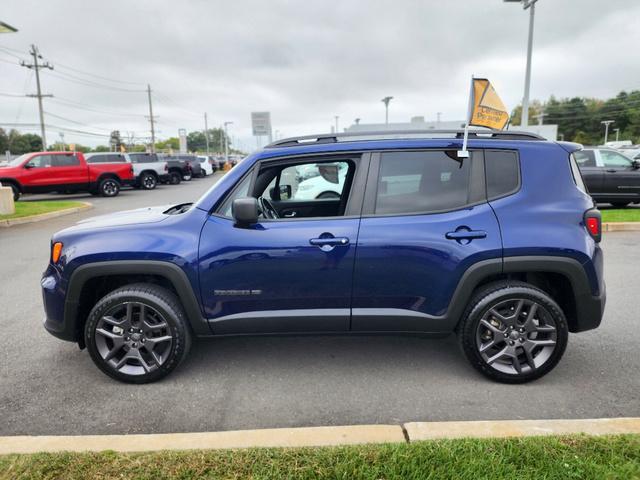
x=317, y=436
x=278, y=437
x=621, y=227
x=45, y=216
x=520, y=428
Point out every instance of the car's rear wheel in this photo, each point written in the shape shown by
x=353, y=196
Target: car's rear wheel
x=109, y=187
x=513, y=332
x=620, y=204
x=175, y=178
x=148, y=181
x=137, y=333
x=15, y=191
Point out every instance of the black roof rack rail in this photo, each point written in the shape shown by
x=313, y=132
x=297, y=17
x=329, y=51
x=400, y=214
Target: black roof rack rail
x=400, y=134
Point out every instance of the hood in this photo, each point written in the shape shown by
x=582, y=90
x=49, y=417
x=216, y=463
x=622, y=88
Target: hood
x=127, y=217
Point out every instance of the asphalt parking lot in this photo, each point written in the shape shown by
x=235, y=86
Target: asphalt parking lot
x=51, y=387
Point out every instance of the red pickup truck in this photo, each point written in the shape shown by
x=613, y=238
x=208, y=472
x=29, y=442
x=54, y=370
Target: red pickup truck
x=64, y=172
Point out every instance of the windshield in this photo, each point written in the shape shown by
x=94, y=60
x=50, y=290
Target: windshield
x=16, y=162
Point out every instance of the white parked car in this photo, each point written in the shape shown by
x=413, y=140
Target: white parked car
x=207, y=168
x=322, y=185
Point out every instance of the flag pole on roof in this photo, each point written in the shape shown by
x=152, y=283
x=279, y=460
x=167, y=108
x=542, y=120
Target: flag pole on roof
x=485, y=110
x=464, y=153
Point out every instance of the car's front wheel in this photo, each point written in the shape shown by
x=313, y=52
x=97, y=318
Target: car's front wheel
x=513, y=332
x=138, y=333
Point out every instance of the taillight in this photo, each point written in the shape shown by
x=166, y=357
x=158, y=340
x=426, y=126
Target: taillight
x=166, y=167
x=593, y=223
x=56, y=250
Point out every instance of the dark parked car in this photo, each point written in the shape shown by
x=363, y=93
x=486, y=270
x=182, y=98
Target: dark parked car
x=610, y=176
x=492, y=247
x=179, y=168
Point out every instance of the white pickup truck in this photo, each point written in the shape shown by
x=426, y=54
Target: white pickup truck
x=147, y=167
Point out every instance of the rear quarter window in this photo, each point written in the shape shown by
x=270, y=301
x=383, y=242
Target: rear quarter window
x=502, y=170
x=577, y=176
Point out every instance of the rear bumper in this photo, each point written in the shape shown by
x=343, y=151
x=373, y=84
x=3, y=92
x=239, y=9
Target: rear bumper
x=590, y=310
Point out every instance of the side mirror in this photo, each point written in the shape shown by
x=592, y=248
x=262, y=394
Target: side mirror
x=245, y=211
x=28, y=165
x=635, y=164
x=283, y=192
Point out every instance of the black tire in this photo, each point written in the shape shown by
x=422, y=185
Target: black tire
x=148, y=181
x=187, y=177
x=328, y=194
x=499, y=294
x=109, y=187
x=620, y=204
x=175, y=178
x=15, y=190
x=166, y=307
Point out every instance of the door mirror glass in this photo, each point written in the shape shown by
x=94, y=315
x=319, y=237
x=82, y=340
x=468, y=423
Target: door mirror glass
x=29, y=165
x=285, y=192
x=245, y=211
x=635, y=164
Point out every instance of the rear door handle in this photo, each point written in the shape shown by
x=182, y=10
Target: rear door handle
x=331, y=241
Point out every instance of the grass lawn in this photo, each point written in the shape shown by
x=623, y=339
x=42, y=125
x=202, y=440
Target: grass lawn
x=621, y=215
x=568, y=457
x=26, y=209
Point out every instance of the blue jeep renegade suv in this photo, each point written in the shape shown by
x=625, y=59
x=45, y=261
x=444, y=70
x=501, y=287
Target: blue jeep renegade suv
x=359, y=234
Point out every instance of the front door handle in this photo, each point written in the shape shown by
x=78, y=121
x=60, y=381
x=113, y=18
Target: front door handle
x=330, y=241
x=464, y=235
x=290, y=214
x=611, y=170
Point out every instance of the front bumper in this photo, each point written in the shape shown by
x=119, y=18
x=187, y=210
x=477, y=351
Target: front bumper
x=53, y=298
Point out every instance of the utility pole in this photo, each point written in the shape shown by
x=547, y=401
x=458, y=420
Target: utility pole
x=540, y=117
x=606, y=124
x=206, y=133
x=386, y=101
x=36, y=67
x=64, y=147
x=226, y=142
x=617, y=130
x=151, y=121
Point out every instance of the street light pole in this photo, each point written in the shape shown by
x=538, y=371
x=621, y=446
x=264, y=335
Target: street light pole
x=606, y=124
x=531, y=6
x=206, y=133
x=617, y=130
x=386, y=101
x=337, y=117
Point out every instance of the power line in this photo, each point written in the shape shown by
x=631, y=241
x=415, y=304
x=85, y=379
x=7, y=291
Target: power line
x=88, y=83
x=66, y=67
x=89, y=108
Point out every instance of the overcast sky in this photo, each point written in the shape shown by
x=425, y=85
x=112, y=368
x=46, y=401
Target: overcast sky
x=304, y=61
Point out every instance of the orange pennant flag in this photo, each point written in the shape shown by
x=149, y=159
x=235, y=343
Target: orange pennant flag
x=488, y=110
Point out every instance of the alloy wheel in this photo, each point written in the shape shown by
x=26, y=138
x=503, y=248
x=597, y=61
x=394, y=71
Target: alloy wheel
x=149, y=182
x=133, y=338
x=516, y=336
x=109, y=188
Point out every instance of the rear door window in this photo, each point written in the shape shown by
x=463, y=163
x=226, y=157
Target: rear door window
x=585, y=158
x=427, y=182
x=69, y=160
